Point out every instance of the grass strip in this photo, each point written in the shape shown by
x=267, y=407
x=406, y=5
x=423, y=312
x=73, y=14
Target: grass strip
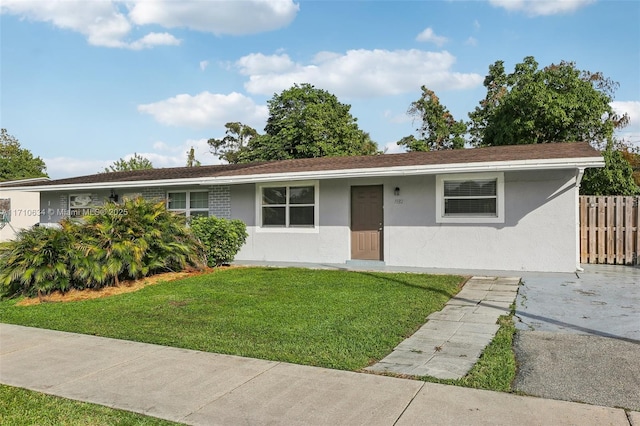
x=20, y=407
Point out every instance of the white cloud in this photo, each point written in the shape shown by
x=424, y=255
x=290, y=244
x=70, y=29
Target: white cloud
x=204, y=65
x=357, y=73
x=206, y=110
x=100, y=21
x=428, y=35
x=471, y=41
x=393, y=148
x=154, y=39
x=632, y=131
x=257, y=63
x=218, y=17
x=629, y=107
x=162, y=155
x=175, y=155
x=166, y=155
x=109, y=23
x=60, y=167
x=541, y=7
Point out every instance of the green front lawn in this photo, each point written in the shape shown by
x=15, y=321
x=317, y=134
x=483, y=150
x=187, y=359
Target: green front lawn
x=22, y=407
x=335, y=319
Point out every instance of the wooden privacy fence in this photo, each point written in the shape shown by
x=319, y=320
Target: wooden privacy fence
x=609, y=229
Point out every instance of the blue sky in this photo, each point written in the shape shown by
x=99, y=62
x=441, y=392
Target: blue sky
x=84, y=83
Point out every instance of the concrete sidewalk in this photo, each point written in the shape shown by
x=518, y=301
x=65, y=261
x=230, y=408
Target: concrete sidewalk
x=210, y=389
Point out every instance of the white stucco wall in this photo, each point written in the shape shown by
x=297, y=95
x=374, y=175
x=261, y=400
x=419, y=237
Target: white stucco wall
x=329, y=243
x=25, y=212
x=539, y=232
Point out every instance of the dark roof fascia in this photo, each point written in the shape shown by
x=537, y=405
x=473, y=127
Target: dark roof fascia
x=22, y=182
x=515, y=157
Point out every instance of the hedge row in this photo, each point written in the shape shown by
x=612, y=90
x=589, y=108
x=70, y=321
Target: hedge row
x=118, y=242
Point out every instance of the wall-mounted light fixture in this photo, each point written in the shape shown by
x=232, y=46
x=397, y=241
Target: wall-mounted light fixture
x=113, y=197
x=396, y=191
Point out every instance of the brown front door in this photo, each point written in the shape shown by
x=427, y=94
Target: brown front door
x=366, y=222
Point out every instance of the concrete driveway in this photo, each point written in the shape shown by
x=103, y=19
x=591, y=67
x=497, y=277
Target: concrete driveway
x=604, y=300
x=579, y=336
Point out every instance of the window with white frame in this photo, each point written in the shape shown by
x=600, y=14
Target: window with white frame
x=470, y=198
x=189, y=203
x=288, y=205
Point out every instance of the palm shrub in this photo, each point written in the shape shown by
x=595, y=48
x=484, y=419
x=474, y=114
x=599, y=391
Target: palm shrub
x=172, y=244
x=128, y=241
x=36, y=262
x=136, y=239
x=222, y=238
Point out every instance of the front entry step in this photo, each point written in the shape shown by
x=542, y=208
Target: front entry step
x=358, y=262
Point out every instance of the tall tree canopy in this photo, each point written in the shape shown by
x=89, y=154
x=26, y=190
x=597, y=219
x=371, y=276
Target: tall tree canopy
x=18, y=163
x=558, y=103
x=438, y=129
x=233, y=147
x=303, y=122
x=555, y=104
x=137, y=162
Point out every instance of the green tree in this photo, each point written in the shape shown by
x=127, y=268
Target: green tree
x=18, y=163
x=137, y=162
x=632, y=155
x=306, y=122
x=438, y=129
x=233, y=146
x=191, y=158
x=303, y=122
x=615, y=178
x=558, y=103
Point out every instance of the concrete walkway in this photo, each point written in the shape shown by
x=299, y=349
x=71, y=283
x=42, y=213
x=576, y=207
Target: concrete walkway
x=210, y=389
x=452, y=340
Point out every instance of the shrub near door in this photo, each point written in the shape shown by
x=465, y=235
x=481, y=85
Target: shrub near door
x=222, y=238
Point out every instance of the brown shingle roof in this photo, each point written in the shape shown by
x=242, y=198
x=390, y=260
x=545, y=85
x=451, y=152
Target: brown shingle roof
x=461, y=156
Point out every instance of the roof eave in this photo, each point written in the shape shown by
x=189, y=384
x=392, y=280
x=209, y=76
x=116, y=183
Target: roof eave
x=513, y=165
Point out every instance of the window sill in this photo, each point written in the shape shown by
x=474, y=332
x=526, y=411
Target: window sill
x=284, y=230
x=469, y=219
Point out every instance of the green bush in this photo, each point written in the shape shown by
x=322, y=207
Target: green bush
x=136, y=239
x=117, y=242
x=36, y=262
x=222, y=238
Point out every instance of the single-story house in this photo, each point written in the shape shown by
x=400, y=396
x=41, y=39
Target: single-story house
x=496, y=208
x=18, y=209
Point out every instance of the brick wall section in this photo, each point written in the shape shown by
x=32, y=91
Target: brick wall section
x=220, y=201
x=154, y=194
